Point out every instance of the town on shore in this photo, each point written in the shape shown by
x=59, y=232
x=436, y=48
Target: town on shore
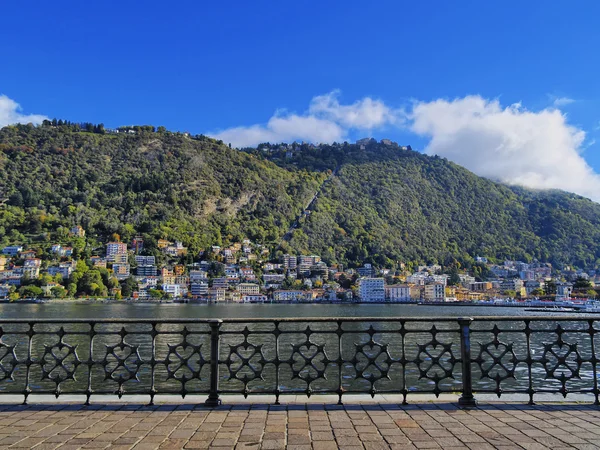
x=245, y=272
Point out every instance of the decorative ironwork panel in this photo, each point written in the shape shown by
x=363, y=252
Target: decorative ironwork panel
x=535, y=355
x=522, y=355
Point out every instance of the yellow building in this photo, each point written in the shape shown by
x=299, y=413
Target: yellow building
x=248, y=288
x=163, y=243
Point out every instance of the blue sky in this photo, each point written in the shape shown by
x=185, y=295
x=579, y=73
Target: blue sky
x=213, y=67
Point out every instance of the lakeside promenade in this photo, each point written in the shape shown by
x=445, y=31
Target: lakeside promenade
x=372, y=424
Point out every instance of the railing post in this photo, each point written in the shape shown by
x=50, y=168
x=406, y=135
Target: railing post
x=213, y=397
x=466, y=399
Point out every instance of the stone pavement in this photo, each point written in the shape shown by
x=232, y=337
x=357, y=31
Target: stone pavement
x=299, y=426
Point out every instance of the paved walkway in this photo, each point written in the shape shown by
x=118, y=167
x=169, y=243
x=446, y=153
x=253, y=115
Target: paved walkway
x=300, y=426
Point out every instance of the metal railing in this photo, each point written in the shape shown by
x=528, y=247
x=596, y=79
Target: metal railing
x=500, y=355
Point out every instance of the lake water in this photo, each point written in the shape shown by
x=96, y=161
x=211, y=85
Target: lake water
x=231, y=310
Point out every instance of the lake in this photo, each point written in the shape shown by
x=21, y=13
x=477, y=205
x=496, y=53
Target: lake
x=232, y=310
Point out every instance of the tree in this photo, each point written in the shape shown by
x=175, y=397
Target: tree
x=581, y=283
x=91, y=284
x=128, y=286
x=58, y=291
x=454, y=279
x=30, y=291
x=550, y=287
x=72, y=289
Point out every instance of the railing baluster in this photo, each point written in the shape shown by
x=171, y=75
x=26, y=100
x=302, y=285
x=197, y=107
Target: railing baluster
x=594, y=360
x=28, y=362
x=466, y=399
x=529, y=360
x=153, y=334
x=213, y=397
x=277, y=332
x=403, y=361
x=340, y=362
x=90, y=363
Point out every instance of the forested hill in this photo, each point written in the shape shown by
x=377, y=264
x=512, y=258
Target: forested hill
x=385, y=204
x=157, y=184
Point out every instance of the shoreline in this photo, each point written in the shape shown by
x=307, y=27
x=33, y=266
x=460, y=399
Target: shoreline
x=87, y=301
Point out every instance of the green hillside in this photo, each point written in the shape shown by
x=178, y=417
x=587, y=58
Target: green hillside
x=158, y=184
x=384, y=205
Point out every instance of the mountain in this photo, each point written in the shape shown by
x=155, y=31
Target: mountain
x=376, y=203
x=157, y=184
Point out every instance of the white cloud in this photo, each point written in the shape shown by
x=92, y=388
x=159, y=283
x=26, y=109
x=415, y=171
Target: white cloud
x=326, y=120
x=536, y=149
x=558, y=101
x=283, y=128
x=363, y=114
x=10, y=113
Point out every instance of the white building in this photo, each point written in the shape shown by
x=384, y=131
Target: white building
x=563, y=291
x=172, y=289
x=288, y=296
x=397, y=293
x=199, y=288
x=254, y=298
x=371, y=289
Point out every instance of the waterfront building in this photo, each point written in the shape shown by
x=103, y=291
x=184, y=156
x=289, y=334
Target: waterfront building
x=288, y=296
x=248, y=288
x=254, y=298
x=563, y=291
x=216, y=294
x=434, y=292
x=199, y=289
x=371, y=289
x=480, y=286
x=173, y=290
x=397, y=293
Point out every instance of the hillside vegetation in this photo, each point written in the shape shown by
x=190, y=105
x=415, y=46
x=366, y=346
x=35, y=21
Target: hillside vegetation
x=384, y=205
x=156, y=184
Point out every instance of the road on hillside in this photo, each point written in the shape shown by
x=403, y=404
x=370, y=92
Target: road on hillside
x=307, y=209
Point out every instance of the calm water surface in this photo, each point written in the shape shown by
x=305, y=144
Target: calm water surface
x=223, y=311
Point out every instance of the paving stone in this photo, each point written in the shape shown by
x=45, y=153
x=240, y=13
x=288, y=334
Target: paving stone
x=301, y=427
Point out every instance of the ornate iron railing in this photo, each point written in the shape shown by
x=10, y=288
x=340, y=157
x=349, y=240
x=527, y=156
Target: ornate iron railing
x=524, y=355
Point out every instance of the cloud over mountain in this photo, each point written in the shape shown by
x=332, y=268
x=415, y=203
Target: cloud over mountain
x=536, y=149
x=326, y=120
x=10, y=113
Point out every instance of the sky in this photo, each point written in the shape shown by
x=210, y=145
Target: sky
x=507, y=89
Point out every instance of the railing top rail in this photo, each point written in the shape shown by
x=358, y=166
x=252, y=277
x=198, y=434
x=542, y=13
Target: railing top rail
x=578, y=317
